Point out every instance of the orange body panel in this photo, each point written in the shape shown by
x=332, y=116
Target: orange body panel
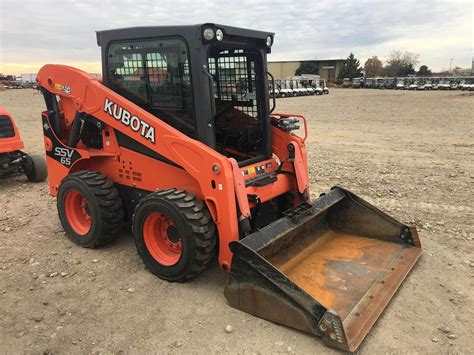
x=201, y=170
x=13, y=143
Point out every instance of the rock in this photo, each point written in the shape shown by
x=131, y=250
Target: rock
x=452, y=336
x=95, y=260
x=8, y=229
x=434, y=340
x=64, y=274
x=279, y=343
x=31, y=288
x=20, y=334
x=176, y=344
x=229, y=328
x=289, y=349
x=445, y=330
x=440, y=223
x=53, y=274
x=130, y=290
x=38, y=318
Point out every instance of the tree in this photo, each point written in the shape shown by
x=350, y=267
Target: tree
x=351, y=68
x=424, y=71
x=401, y=63
x=373, y=67
x=308, y=67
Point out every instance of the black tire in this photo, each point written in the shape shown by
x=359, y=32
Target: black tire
x=35, y=169
x=103, y=204
x=283, y=95
x=194, y=227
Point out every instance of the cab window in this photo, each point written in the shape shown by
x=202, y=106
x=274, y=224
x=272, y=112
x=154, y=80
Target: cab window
x=155, y=75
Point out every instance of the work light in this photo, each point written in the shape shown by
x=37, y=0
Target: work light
x=208, y=33
x=219, y=35
x=269, y=41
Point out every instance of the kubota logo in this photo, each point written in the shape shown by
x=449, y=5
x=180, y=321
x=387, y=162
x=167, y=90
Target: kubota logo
x=135, y=123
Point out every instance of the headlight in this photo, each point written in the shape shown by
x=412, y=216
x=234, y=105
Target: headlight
x=219, y=35
x=269, y=41
x=208, y=33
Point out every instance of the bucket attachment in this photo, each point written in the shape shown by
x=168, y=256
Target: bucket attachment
x=328, y=268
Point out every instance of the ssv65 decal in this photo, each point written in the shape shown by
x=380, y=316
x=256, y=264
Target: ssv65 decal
x=135, y=123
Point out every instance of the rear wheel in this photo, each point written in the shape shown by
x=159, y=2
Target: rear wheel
x=174, y=234
x=35, y=168
x=90, y=208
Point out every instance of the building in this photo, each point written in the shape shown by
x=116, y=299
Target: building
x=328, y=68
x=28, y=78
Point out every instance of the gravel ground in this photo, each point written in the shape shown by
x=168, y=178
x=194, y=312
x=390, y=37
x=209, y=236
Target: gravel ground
x=410, y=153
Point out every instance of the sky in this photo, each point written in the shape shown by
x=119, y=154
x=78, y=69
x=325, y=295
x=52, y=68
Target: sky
x=37, y=32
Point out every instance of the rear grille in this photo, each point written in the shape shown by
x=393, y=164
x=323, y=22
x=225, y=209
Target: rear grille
x=6, y=127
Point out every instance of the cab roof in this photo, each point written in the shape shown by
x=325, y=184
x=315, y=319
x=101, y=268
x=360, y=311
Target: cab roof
x=189, y=32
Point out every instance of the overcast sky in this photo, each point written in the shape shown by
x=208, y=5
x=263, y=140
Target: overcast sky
x=50, y=31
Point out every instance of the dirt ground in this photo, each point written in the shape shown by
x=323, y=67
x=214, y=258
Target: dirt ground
x=410, y=153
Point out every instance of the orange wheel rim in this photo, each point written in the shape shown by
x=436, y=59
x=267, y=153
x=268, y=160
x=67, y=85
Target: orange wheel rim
x=162, y=239
x=77, y=212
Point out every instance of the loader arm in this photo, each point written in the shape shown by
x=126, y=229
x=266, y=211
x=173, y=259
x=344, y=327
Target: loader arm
x=80, y=92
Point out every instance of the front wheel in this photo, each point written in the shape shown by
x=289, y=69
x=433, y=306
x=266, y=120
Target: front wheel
x=35, y=168
x=174, y=234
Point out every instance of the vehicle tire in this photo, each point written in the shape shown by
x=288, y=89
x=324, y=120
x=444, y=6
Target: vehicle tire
x=35, y=168
x=174, y=234
x=90, y=208
x=283, y=95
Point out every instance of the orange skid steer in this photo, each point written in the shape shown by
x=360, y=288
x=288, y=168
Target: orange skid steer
x=179, y=139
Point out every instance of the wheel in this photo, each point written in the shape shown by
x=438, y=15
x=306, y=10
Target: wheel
x=174, y=234
x=35, y=168
x=90, y=208
x=283, y=95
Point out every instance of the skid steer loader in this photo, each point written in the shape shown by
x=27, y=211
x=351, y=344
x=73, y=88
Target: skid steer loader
x=180, y=140
x=12, y=159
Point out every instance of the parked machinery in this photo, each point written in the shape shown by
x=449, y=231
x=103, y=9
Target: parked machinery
x=323, y=85
x=379, y=82
x=400, y=85
x=285, y=89
x=425, y=85
x=389, y=83
x=368, y=83
x=346, y=83
x=298, y=88
x=12, y=159
x=357, y=83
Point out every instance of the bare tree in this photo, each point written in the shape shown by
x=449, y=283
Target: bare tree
x=401, y=63
x=373, y=67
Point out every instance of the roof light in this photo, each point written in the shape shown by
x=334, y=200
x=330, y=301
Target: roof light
x=269, y=41
x=208, y=33
x=219, y=35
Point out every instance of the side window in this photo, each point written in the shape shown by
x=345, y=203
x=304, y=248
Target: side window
x=155, y=75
